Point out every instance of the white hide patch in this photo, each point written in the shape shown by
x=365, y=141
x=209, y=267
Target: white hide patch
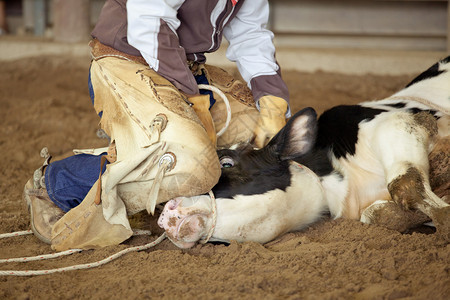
x=387, y=146
x=336, y=189
x=263, y=217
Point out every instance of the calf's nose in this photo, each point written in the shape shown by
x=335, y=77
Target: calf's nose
x=169, y=212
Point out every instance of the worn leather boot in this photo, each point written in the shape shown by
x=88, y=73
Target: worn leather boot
x=43, y=212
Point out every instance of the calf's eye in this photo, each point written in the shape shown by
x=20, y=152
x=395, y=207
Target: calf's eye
x=226, y=162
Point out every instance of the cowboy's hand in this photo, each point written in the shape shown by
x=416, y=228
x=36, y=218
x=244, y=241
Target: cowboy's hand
x=272, y=117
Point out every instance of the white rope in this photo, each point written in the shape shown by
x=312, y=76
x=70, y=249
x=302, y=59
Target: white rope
x=17, y=233
x=225, y=100
x=214, y=216
x=94, y=264
x=68, y=252
x=136, y=232
x=84, y=266
x=40, y=257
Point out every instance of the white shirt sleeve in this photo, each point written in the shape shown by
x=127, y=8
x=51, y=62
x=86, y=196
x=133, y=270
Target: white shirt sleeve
x=251, y=45
x=144, y=19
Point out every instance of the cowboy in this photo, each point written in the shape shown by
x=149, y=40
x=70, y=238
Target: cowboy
x=148, y=59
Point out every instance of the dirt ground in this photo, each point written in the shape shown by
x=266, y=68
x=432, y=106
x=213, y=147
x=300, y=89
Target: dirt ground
x=45, y=102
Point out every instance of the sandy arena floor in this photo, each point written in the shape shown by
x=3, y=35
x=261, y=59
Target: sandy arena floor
x=45, y=102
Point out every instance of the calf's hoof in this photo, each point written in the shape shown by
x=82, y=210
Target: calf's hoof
x=392, y=216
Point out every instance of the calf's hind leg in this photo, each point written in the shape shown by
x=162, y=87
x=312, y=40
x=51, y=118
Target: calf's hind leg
x=412, y=190
x=403, y=141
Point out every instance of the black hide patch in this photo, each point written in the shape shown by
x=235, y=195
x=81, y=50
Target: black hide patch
x=397, y=105
x=338, y=128
x=254, y=172
x=433, y=71
x=317, y=161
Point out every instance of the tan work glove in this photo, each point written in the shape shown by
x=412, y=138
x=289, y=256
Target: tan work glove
x=201, y=108
x=272, y=117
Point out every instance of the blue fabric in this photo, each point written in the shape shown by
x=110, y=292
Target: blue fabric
x=201, y=79
x=69, y=180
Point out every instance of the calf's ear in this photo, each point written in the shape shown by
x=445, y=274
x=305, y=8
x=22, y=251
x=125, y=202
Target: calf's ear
x=298, y=136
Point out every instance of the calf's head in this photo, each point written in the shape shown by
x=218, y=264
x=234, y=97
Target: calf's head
x=259, y=195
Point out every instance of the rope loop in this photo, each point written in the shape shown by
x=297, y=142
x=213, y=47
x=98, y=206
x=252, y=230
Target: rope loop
x=214, y=216
x=225, y=100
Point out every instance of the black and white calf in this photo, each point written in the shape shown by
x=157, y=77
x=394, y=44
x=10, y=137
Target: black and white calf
x=368, y=162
